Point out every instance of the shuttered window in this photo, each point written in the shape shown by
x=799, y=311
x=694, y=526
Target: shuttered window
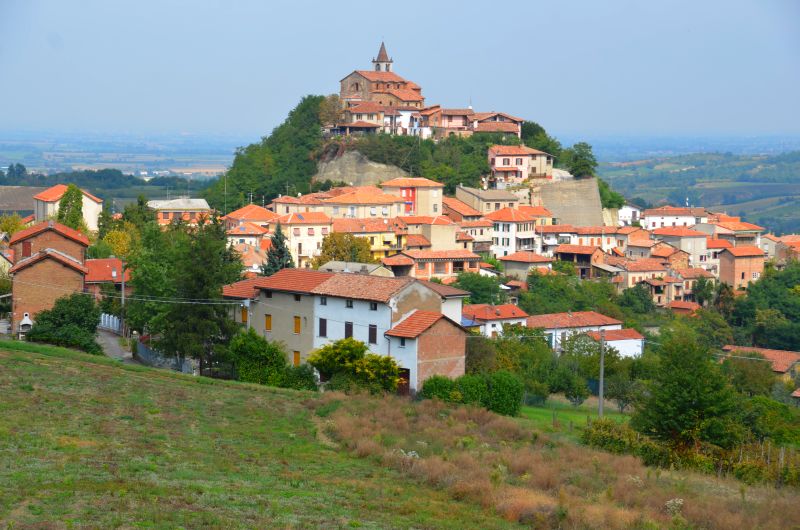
x=268, y=322
x=297, y=325
x=323, y=327
x=244, y=315
x=373, y=334
x=348, y=330
x=296, y=358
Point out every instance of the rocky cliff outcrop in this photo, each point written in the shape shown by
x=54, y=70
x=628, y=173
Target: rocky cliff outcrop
x=356, y=169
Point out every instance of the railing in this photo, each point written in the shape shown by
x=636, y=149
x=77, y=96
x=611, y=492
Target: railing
x=151, y=357
x=110, y=323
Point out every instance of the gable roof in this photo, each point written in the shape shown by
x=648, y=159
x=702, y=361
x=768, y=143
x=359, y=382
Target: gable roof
x=365, y=107
x=295, y=280
x=509, y=215
x=425, y=220
x=680, y=304
x=718, y=243
x=642, y=265
x=477, y=223
x=55, y=193
x=445, y=291
x=612, y=335
x=490, y=195
x=535, y=211
x=487, y=312
x=44, y=226
x=383, y=77
x=417, y=240
x=245, y=289
x=246, y=228
x=740, y=226
x=441, y=254
x=49, y=253
x=362, y=225
x=417, y=323
x=305, y=218
x=678, y=231
x=460, y=207
x=514, y=150
x=576, y=249
x=497, y=126
x=361, y=287
x=575, y=319
x=675, y=211
x=252, y=212
x=693, y=272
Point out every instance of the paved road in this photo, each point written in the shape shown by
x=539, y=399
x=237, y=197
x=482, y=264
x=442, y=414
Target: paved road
x=110, y=344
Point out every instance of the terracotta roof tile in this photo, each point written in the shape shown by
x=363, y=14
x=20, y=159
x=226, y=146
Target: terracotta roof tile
x=390, y=77
x=497, y=126
x=445, y=291
x=403, y=94
x=362, y=225
x=745, y=251
x=693, y=272
x=526, y=256
x=460, y=207
x=55, y=193
x=478, y=223
x=426, y=220
x=514, y=150
x=612, y=335
x=718, y=243
x=296, y=280
x=365, y=107
x=643, y=265
x=461, y=254
x=535, y=211
x=305, y=218
x=412, y=182
x=576, y=319
x=49, y=225
x=488, y=312
x=48, y=253
x=675, y=211
x=782, y=360
x=463, y=236
x=417, y=240
x=576, y=249
x=398, y=260
x=245, y=289
x=361, y=124
x=247, y=228
x=509, y=215
x=595, y=230
x=252, y=212
x=739, y=226
x=556, y=229
x=415, y=324
x=680, y=304
x=678, y=231
x=105, y=270
x=361, y=287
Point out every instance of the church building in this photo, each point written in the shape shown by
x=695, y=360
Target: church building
x=381, y=85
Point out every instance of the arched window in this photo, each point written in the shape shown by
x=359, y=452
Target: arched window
x=377, y=67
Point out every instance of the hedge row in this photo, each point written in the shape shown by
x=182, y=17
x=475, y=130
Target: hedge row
x=499, y=392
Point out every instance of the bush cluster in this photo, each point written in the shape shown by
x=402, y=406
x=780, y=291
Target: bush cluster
x=499, y=391
x=72, y=322
x=348, y=367
x=260, y=361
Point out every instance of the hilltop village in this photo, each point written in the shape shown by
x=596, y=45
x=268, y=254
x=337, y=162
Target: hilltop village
x=397, y=280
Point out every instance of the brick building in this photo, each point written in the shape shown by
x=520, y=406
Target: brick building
x=738, y=266
x=49, y=263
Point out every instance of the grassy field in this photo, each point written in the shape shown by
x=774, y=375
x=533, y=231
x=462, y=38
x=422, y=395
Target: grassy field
x=88, y=442
x=560, y=418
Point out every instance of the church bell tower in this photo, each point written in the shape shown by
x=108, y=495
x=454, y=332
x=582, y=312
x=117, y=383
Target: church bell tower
x=382, y=63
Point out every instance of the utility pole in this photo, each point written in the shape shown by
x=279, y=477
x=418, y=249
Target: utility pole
x=122, y=301
x=602, y=371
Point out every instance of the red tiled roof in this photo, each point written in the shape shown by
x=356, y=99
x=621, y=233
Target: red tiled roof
x=56, y=192
x=497, y=126
x=361, y=124
x=251, y=256
x=362, y=225
x=680, y=304
x=28, y=219
x=781, y=360
x=365, y=107
x=296, y=280
x=745, y=251
x=412, y=182
x=460, y=207
x=247, y=228
x=612, y=335
x=509, y=215
x=426, y=220
x=645, y=243
x=444, y=291
x=372, y=75
x=526, y=256
x=463, y=236
x=478, y=223
x=576, y=319
x=676, y=211
x=48, y=253
x=480, y=116
x=245, y=289
x=693, y=272
x=739, y=226
x=105, y=270
x=556, y=229
x=514, y=150
x=678, y=231
x=49, y=225
x=535, y=211
x=304, y=218
x=487, y=312
x=664, y=251
x=507, y=168
x=643, y=265
x=361, y=287
x=576, y=249
x=397, y=259
x=252, y=212
x=461, y=254
x=415, y=324
x=595, y=230
x=417, y=240
x=403, y=94
x=458, y=112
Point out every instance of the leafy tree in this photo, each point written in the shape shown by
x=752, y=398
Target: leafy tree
x=119, y=241
x=576, y=390
x=623, y=390
x=565, y=267
x=689, y=401
x=377, y=372
x=337, y=356
x=11, y=224
x=138, y=213
x=711, y=327
x=105, y=223
x=751, y=376
x=72, y=322
x=584, y=353
x=330, y=110
x=608, y=197
x=525, y=352
x=637, y=299
x=99, y=250
x=342, y=246
x=70, y=208
x=767, y=418
x=15, y=172
x=278, y=256
x=579, y=160
x=482, y=289
x=481, y=355
x=349, y=357
x=703, y=291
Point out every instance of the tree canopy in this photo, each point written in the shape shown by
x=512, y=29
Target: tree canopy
x=278, y=256
x=341, y=246
x=70, y=208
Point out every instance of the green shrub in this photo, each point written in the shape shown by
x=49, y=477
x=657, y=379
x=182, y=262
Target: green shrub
x=377, y=372
x=505, y=393
x=537, y=393
x=438, y=387
x=299, y=378
x=72, y=322
x=68, y=335
x=473, y=389
x=257, y=359
x=337, y=356
x=344, y=382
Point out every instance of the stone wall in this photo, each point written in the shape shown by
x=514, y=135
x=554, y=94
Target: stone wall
x=356, y=169
x=575, y=201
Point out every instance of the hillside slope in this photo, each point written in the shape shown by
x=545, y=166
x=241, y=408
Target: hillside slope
x=88, y=442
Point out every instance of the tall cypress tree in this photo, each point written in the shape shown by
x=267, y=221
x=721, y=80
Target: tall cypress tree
x=278, y=255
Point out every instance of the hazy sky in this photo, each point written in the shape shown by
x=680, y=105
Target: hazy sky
x=236, y=67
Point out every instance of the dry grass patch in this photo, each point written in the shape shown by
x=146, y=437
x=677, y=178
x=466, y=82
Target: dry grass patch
x=499, y=463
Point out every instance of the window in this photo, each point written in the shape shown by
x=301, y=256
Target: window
x=26, y=249
x=323, y=300
x=402, y=193
x=402, y=342
x=296, y=358
x=435, y=207
x=421, y=266
x=296, y=230
x=297, y=298
x=385, y=211
x=506, y=161
x=519, y=162
x=743, y=275
x=373, y=306
x=352, y=211
x=192, y=215
x=440, y=268
x=373, y=334
x=244, y=315
x=296, y=325
x=348, y=304
x=497, y=206
x=755, y=275
x=373, y=211
x=268, y=294
x=267, y=322
x=348, y=330
x=299, y=249
x=310, y=231
x=165, y=215
x=323, y=327
x=335, y=211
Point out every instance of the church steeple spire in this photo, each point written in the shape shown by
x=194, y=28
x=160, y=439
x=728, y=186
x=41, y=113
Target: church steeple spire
x=382, y=63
